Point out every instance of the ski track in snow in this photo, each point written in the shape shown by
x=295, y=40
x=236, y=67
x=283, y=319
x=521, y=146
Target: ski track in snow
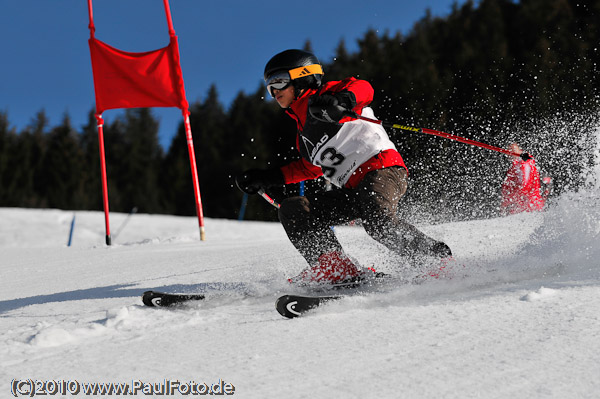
x=519, y=318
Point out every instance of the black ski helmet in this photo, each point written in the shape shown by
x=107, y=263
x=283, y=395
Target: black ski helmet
x=293, y=62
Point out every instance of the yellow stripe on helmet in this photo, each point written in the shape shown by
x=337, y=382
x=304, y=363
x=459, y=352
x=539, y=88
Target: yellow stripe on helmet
x=307, y=70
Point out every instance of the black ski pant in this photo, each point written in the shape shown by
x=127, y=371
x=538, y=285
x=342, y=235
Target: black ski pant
x=308, y=220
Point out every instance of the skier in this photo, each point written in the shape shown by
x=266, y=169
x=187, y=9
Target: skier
x=356, y=156
x=521, y=187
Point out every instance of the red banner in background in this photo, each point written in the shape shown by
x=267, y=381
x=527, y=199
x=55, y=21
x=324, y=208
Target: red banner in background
x=137, y=80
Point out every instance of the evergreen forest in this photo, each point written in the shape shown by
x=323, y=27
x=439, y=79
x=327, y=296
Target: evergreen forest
x=495, y=71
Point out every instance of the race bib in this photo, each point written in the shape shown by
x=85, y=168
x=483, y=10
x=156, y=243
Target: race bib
x=340, y=152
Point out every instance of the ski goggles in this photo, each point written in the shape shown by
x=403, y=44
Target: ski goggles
x=279, y=80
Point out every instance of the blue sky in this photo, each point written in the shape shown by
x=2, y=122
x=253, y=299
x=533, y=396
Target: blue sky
x=46, y=63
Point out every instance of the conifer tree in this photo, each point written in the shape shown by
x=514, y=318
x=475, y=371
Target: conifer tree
x=208, y=122
x=8, y=140
x=62, y=168
x=28, y=185
x=91, y=174
x=141, y=162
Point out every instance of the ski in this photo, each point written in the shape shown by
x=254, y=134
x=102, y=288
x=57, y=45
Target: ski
x=163, y=300
x=291, y=306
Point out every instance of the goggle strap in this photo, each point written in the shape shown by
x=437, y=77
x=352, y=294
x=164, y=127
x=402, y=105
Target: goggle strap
x=306, y=71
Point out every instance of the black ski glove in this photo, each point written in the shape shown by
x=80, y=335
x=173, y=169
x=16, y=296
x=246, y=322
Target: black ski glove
x=255, y=179
x=525, y=156
x=332, y=107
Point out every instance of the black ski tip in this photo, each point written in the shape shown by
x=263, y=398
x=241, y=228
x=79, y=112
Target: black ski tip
x=161, y=299
x=291, y=306
x=151, y=298
x=286, y=307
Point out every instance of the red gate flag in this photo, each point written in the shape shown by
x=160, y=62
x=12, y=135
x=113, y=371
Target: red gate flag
x=137, y=80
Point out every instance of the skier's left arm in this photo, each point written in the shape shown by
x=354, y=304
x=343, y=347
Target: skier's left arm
x=336, y=103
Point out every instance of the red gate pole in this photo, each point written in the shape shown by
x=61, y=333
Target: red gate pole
x=190, y=144
x=188, y=133
x=91, y=26
x=100, y=124
x=169, y=19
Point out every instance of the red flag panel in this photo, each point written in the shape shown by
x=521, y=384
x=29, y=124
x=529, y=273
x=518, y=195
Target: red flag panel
x=137, y=80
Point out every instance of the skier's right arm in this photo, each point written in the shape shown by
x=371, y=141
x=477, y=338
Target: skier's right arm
x=251, y=181
x=300, y=170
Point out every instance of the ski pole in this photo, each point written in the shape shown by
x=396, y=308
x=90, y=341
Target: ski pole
x=268, y=198
x=243, y=207
x=71, y=232
x=525, y=156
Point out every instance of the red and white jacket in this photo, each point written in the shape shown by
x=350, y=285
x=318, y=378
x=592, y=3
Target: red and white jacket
x=343, y=152
x=521, y=188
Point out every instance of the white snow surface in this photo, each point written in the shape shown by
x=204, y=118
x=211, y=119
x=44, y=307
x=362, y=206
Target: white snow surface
x=518, y=317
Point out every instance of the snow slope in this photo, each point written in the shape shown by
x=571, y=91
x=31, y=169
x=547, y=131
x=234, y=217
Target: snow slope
x=519, y=319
